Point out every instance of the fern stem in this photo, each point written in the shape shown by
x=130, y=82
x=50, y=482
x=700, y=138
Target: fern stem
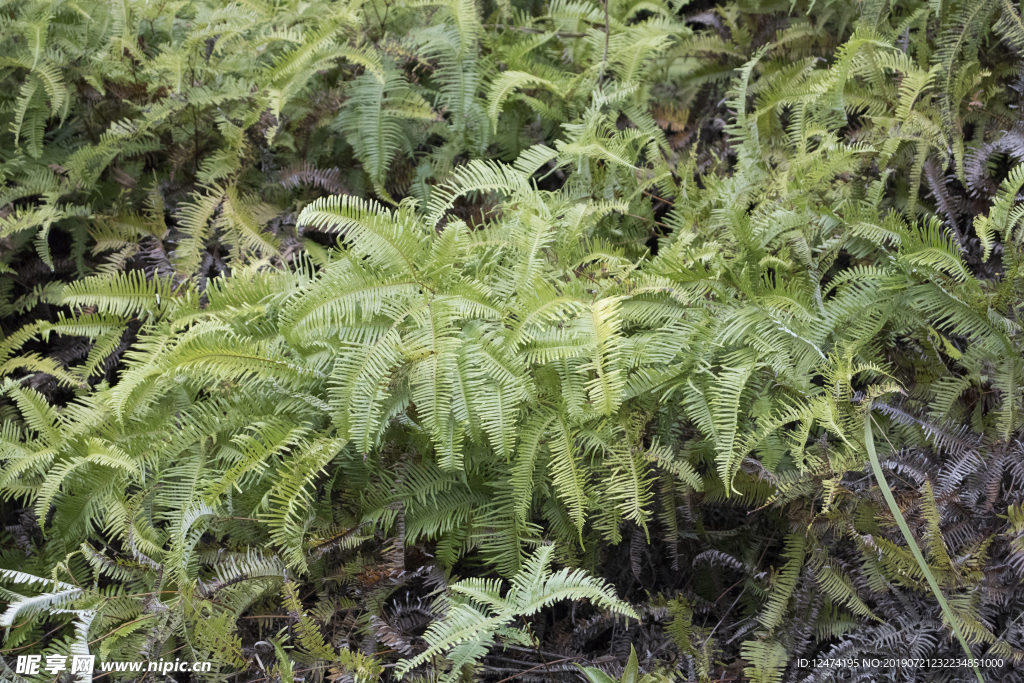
x=876, y=467
x=538, y=31
x=536, y=644
x=17, y=649
x=607, y=36
x=545, y=665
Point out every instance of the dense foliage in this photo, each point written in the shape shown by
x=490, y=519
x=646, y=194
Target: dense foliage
x=448, y=341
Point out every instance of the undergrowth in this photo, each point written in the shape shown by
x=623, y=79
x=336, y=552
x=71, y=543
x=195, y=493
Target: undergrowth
x=459, y=341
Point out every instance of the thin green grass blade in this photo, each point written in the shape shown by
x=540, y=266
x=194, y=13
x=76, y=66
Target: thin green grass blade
x=876, y=467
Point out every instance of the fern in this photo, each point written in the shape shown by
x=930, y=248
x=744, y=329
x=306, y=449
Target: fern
x=477, y=612
x=329, y=331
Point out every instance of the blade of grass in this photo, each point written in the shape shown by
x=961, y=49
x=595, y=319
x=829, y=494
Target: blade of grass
x=876, y=467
